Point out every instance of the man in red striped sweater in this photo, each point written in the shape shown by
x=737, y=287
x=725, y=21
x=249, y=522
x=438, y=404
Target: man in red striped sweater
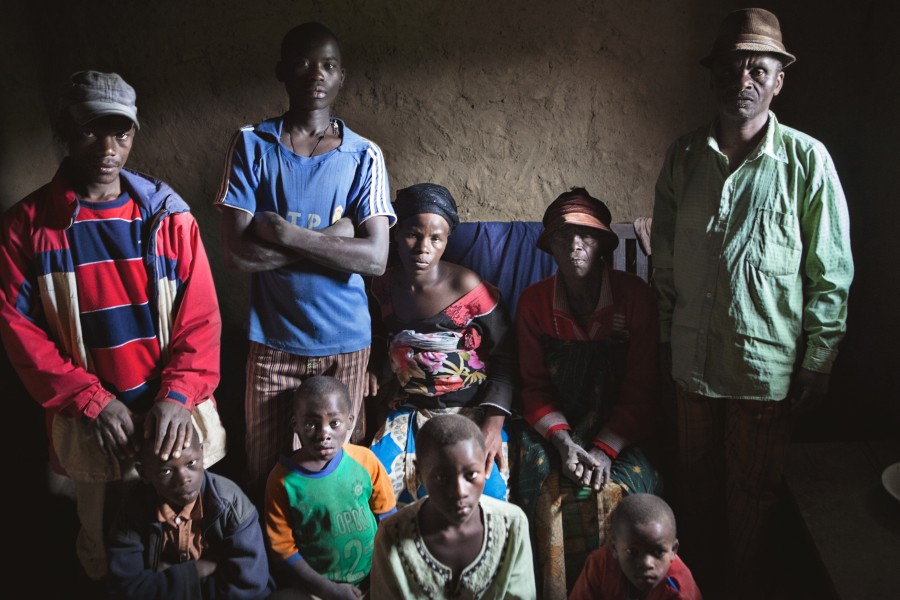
x=107, y=308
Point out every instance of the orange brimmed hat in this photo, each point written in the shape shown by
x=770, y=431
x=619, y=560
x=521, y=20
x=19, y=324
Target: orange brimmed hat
x=577, y=207
x=750, y=30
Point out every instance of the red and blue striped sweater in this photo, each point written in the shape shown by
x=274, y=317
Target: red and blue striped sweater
x=41, y=313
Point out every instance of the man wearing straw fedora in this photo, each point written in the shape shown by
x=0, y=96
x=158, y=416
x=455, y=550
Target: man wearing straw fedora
x=752, y=262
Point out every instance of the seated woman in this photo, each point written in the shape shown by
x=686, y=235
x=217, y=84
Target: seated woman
x=449, y=340
x=588, y=361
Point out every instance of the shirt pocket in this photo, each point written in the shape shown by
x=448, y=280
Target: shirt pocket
x=774, y=246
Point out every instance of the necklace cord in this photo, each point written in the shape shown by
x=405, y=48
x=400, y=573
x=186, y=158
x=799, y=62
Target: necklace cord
x=334, y=127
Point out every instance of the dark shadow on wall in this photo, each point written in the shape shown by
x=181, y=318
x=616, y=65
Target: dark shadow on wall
x=842, y=90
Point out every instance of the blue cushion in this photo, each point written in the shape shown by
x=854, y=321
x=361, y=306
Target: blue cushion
x=502, y=253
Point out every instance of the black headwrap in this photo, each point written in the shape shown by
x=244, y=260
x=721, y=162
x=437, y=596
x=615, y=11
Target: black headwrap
x=426, y=198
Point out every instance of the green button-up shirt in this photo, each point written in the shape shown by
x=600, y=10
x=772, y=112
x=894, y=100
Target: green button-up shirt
x=752, y=268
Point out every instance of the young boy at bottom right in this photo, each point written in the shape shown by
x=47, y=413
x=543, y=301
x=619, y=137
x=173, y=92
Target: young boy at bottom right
x=639, y=562
x=455, y=542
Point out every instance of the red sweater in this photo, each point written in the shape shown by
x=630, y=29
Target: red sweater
x=40, y=316
x=627, y=307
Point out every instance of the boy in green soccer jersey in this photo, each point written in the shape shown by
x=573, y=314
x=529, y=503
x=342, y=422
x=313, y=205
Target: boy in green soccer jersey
x=324, y=501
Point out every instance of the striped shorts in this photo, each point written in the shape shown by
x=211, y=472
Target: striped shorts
x=272, y=377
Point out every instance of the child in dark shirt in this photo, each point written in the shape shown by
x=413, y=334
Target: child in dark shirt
x=186, y=533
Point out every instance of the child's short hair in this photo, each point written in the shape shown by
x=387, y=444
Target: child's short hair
x=321, y=385
x=446, y=430
x=642, y=508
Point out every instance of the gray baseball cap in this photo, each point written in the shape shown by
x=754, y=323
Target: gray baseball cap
x=90, y=95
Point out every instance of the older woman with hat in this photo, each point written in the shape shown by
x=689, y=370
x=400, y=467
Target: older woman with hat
x=587, y=340
x=449, y=343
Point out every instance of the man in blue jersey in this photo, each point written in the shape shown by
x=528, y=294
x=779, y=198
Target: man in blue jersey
x=306, y=209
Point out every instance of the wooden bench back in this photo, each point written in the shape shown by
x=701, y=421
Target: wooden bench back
x=629, y=255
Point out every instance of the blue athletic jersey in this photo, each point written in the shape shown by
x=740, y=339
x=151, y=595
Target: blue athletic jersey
x=304, y=308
